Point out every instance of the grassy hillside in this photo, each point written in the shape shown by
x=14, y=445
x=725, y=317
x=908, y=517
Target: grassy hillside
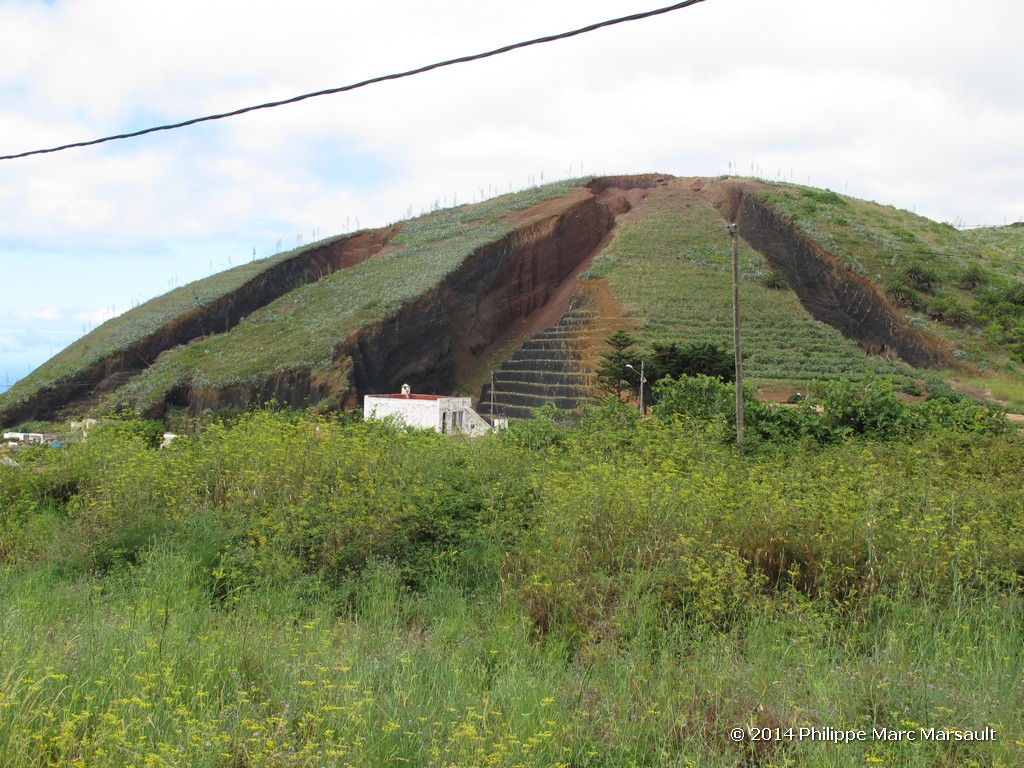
x=667, y=264
x=123, y=331
x=673, y=273
x=964, y=286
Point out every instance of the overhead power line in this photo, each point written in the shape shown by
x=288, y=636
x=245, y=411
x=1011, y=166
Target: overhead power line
x=361, y=84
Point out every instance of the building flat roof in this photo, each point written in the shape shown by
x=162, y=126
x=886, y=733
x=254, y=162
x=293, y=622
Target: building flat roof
x=411, y=397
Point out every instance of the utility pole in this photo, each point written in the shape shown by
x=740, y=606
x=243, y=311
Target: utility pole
x=736, y=334
x=643, y=380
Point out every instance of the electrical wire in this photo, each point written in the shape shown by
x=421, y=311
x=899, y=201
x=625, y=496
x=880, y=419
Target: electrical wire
x=361, y=84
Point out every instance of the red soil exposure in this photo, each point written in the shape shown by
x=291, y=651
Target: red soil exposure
x=351, y=251
x=433, y=341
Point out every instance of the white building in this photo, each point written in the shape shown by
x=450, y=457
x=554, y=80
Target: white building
x=448, y=415
x=39, y=438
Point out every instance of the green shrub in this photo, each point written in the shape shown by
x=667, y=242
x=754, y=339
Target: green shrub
x=973, y=277
x=775, y=279
x=946, y=309
x=700, y=397
x=699, y=359
x=921, y=276
x=902, y=294
x=870, y=408
x=938, y=388
x=1014, y=294
x=149, y=432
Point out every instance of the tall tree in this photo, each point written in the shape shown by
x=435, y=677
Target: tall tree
x=613, y=373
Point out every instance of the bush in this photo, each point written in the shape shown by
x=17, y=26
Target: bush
x=902, y=294
x=775, y=279
x=938, y=388
x=1014, y=294
x=921, y=276
x=946, y=309
x=700, y=359
x=149, y=432
x=703, y=398
x=869, y=409
x=973, y=277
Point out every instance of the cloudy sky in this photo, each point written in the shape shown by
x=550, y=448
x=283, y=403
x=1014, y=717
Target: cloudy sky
x=916, y=103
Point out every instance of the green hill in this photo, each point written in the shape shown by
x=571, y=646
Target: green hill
x=831, y=286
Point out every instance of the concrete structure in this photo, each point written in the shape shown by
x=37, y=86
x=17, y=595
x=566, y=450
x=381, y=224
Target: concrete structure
x=38, y=438
x=448, y=415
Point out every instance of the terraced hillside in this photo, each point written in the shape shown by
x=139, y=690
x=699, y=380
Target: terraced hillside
x=831, y=286
x=673, y=275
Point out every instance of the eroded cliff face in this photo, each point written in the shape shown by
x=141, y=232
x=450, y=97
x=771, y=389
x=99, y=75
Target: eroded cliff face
x=75, y=395
x=430, y=342
x=831, y=292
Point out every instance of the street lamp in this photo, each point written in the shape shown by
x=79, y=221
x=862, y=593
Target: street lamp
x=643, y=380
x=736, y=335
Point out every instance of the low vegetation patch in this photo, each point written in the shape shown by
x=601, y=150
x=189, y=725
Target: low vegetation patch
x=597, y=590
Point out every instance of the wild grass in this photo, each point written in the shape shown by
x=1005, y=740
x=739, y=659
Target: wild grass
x=1004, y=388
x=143, y=671
x=290, y=590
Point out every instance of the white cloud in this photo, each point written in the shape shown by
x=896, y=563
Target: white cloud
x=38, y=314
